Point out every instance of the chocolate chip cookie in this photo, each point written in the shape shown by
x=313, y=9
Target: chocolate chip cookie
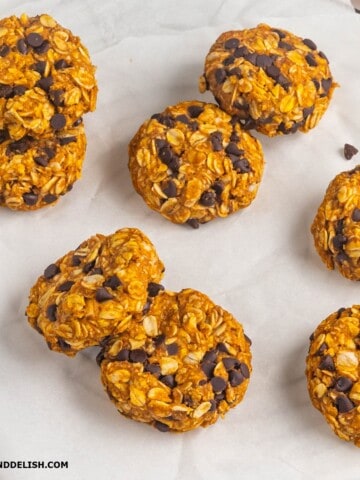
x=193, y=163
x=273, y=80
x=94, y=291
x=182, y=365
x=332, y=370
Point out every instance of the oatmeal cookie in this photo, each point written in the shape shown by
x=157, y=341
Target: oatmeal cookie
x=336, y=226
x=333, y=372
x=35, y=172
x=274, y=81
x=94, y=291
x=192, y=163
x=182, y=365
x=47, y=79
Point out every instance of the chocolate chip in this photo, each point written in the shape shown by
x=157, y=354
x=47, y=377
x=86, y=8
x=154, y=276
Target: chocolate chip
x=137, y=356
x=187, y=400
x=39, y=67
x=88, y=266
x=341, y=257
x=210, y=356
x=218, y=187
x=233, y=149
x=102, y=295
x=349, y=151
x=355, y=216
x=311, y=60
x=159, y=340
x=45, y=83
x=51, y=312
x=339, y=312
x=162, y=427
x=220, y=75
x=153, y=369
x=242, y=166
x=316, y=83
x=97, y=271
x=30, y=198
x=279, y=32
x=183, y=119
x=219, y=397
x=322, y=55
x=4, y=50
x=273, y=72
x=309, y=43
x=193, y=222
x=166, y=120
x=263, y=61
x=251, y=57
x=21, y=46
x=51, y=271
x=248, y=339
x=50, y=198
x=112, y=282
x=231, y=43
x=61, y=64
x=326, y=84
x=228, y=60
x=344, y=404
x=244, y=369
x=123, y=355
x=63, y=344
x=34, y=39
x=43, y=48
x=208, y=368
x=57, y=97
x=168, y=157
x=58, y=121
x=327, y=363
x=18, y=90
x=286, y=46
x=213, y=405
x=4, y=135
x=5, y=91
x=308, y=111
x=208, y=199
x=154, y=288
x=241, y=52
x=66, y=140
x=170, y=189
x=66, y=286
x=235, y=71
x=339, y=241
x=339, y=226
x=216, y=141
x=100, y=357
x=236, y=378
x=78, y=122
x=76, y=260
x=221, y=347
x=168, y=380
x=343, y=384
x=321, y=349
x=312, y=336
x=172, y=348
x=218, y=384
x=230, y=362
x=146, y=307
x=283, y=81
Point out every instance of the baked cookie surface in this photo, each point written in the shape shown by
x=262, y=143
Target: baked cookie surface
x=193, y=163
x=35, y=172
x=332, y=371
x=182, y=365
x=47, y=79
x=274, y=81
x=95, y=290
x=336, y=226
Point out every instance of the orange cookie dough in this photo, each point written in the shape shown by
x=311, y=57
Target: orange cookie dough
x=333, y=372
x=47, y=79
x=336, y=226
x=181, y=366
x=35, y=172
x=95, y=290
x=274, y=81
x=192, y=163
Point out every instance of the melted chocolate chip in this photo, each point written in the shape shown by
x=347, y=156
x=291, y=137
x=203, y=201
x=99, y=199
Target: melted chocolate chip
x=51, y=271
x=154, y=289
x=322, y=55
x=34, y=39
x=5, y=91
x=228, y=60
x=220, y=75
x=355, y=216
x=344, y=404
x=309, y=43
x=218, y=384
x=112, y=282
x=218, y=187
x=162, y=427
x=30, y=198
x=4, y=50
x=168, y=380
x=327, y=363
x=45, y=83
x=221, y=347
x=88, y=266
x=233, y=149
x=172, y=348
x=57, y=98
x=193, y=222
x=43, y=48
x=244, y=369
x=170, y=189
x=21, y=46
x=321, y=349
x=210, y=356
x=326, y=84
x=51, y=312
x=208, y=368
x=213, y=405
x=159, y=340
x=153, y=369
x=63, y=344
x=39, y=67
x=102, y=295
x=66, y=140
x=4, y=135
x=61, y=64
x=18, y=90
x=123, y=355
x=231, y=43
x=343, y=384
x=279, y=32
x=241, y=52
x=50, y=198
x=308, y=111
x=236, y=378
x=230, y=362
x=311, y=60
x=242, y=166
x=208, y=199
x=263, y=61
x=251, y=57
x=100, y=357
x=58, y=121
x=216, y=141
x=137, y=356
x=195, y=110
x=339, y=241
x=285, y=46
x=66, y=286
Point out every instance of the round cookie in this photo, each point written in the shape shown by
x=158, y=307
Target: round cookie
x=333, y=373
x=94, y=291
x=181, y=366
x=47, y=79
x=336, y=226
x=272, y=80
x=35, y=172
x=192, y=163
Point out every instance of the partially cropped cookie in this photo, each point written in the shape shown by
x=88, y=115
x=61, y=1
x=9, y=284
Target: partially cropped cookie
x=336, y=226
x=95, y=290
x=333, y=372
x=47, y=78
x=181, y=366
x=35, y=172
x=193, y=163
x=273, y=80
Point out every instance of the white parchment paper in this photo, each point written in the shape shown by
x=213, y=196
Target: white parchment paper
x=259, y=264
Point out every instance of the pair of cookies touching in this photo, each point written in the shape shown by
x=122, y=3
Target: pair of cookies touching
x=174, y=360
